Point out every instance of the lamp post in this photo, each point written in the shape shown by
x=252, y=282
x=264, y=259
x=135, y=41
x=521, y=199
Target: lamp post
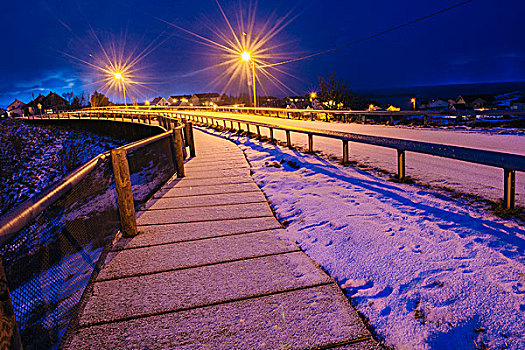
x=118, y=76
x=413, y=100
x=247, y=57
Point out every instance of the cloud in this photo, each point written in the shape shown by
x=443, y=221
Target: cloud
x=57, y=80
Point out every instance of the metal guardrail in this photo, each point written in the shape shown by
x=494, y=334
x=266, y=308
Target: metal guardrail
x=510, y=163
x=180, y=137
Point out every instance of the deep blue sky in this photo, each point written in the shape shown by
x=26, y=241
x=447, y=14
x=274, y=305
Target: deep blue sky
x=480, y=42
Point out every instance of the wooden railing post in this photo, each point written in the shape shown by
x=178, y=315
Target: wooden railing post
x=10, y=335
x=188, y=134
x=288, y=139
x=258, y=132
x=178, y=151
x=126, y=207
x=509, y=188
x=400, y=164
x=271, y=135
x=345, y=152
x=310, y=143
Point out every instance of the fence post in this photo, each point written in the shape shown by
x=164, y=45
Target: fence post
x=509, y=188
x=310, y=143
x=288, y=139
x=10, y=335
x=178, y=151
x=258, y=132
x=126, y=207
x=188, y=134
x=345, y=152
x=271, y=135
x=400, y=164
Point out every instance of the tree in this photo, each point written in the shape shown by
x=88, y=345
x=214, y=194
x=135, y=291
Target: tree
x=98, y=99
x=68, y=96
x=79, y=101
x=336, y=94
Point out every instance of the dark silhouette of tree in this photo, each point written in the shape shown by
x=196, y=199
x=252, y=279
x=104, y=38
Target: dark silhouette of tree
x=98, y=99
x=68, y=96
x=336, y=94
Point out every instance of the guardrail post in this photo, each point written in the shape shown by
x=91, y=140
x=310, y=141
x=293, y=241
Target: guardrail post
x=509, y=188
x=126, y=208
x=258, y=132
x=10, y=335
x=271, y=135
x=178, y=151
x=239, y=125
x=188, y=133
x=310, y=143
x=248, y=129
x=400, y=164
x=345, y=152
x=288, y=139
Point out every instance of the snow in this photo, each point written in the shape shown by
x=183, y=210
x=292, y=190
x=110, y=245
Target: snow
x=33, y=157
x=435, y=171
x=428, y=272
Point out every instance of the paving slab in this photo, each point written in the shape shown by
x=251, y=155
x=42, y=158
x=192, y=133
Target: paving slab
x=200, y=286
x=153, y=259
x=171, y=233
x=224, y=212
x=213, y=181
x=198, y=191
x=205, y=200
x=301, y=319
x=218, y=173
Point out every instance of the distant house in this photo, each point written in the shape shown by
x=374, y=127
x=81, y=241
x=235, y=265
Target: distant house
x=32, y=107
x=475, y=101
x=159, y=101
x=518, y=105
x=393, y=109
x=178, y=99
x=3, y=113
x=268, y=101
x=298, y=101
x=15, y=109
x=207, y=99
x=51, y=103
x=438, y=104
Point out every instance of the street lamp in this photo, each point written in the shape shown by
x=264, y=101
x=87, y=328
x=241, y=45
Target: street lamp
x=413, y=101
x=247, y=57
x=118, y=76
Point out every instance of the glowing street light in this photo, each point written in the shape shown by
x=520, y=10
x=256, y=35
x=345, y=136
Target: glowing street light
x=313, y=96
x=413, y=101
x=247, y=57
x=118, y=76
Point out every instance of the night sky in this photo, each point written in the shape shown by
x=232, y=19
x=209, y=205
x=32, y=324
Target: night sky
x=479, y=42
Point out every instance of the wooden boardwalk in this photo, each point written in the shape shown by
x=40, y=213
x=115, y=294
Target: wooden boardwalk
x=210, y=271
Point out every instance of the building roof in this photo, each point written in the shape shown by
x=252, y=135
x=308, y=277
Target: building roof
x=178, y=97
x=14, y=102
x=208, y=95
x=156, y=100
x=471, y=98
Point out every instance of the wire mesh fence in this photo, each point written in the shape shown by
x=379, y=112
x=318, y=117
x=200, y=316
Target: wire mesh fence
x=150, y=167
x=49, y=262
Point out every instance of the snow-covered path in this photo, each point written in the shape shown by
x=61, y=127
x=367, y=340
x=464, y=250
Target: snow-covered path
x=428, y=272
x=457, y=175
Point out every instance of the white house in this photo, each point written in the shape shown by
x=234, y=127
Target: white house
x=159, y=101
x=15, y=108
x=205, y=99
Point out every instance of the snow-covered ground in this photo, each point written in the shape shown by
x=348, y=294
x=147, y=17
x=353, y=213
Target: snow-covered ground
x=33, y=157
x=427, y=272
x=460, y=176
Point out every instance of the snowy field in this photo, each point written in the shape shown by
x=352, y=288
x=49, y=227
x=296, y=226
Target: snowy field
x=460, y=176
x=426, y=271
